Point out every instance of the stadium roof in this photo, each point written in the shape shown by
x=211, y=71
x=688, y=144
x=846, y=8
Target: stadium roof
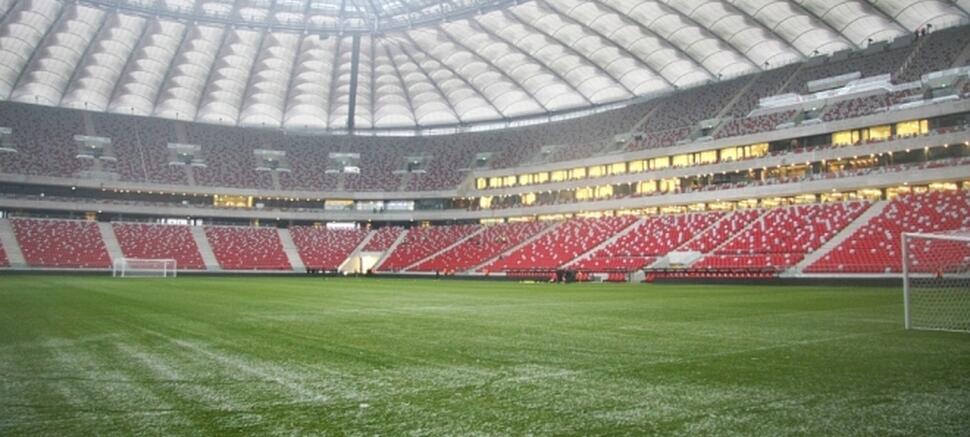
x=405, y=64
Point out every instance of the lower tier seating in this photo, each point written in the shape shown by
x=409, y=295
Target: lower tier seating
x=61, y=243
x=420, y=243
x=721, y=231
x=151, y=241
x=479, y=248
x=875, y=247
x=325, y=249
x=4, y=262
x=783, y=236
x=653, y=237
x=383, y=239
x=242, y=248
x=562, y=245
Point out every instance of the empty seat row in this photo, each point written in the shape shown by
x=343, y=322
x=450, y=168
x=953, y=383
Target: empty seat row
x=420, y=243
x=61, y=243
x=247, y=248
x=325, y=249
x=482, y=247
x=154, y=241
x=876, y=246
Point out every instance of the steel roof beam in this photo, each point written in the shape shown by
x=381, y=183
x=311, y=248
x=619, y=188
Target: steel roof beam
x=532, y=57
x=491, y=64
x=451, y=70
x=571, y=50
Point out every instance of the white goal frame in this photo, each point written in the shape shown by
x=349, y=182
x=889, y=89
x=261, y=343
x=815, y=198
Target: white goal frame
x=949, y=274
x=144, y=267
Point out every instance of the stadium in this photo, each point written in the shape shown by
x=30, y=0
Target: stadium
x=485, y=217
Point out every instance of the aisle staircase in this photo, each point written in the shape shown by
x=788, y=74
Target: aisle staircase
x=291, y=251
x=15, y=257
x=208, y=256
x=110, y=241
x=873, y=211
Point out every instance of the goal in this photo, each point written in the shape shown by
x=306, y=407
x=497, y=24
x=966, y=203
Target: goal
x=936, y=280
x=142, y=268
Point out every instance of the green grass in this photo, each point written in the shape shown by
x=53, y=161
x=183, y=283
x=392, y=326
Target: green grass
x=91, y=355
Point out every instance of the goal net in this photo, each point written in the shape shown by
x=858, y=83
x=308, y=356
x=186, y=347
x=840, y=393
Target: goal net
x=141, y=268
x=936, y=281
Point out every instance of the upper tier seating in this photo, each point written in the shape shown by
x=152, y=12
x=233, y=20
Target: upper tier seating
x=244, y=248
x=420, y=243
x=479, y=248
x=686, y=108
x=44, y=139
x=654, y=237
x=61, y=243
x=151, y=241
x=883, y=62
x=939, y=51
x=768, y=83
x=383, y=239
x=753, y=125
x=561, y=245
x=325, y=249
x=141, y=146
x=782, y=236
x=229, y=157
x=139, y=143
x=875, y=247
x=859, y=106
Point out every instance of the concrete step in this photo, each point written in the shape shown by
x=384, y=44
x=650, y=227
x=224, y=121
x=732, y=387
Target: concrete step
x=208, y=257
x=347, y=265
x=292, y=253
x=390, y=250
x=110, y=241
x=8, y=238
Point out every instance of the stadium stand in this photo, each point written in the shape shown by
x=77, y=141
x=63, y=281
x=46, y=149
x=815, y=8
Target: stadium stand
x=781, y=237
x=4, y=262
x=383, y=239
x=722, y=230
x=867, y=64
x=654, y=237
x=49, y=151
x=325, y=249
x=561, y=245
x=859, y=106
x=753, y=125
x=479, y=248
x=142, y=155
x=152, y=241
x=420, y=243
x=875, y=247
x=61, y=243
x=938, y=51
x=247, y=248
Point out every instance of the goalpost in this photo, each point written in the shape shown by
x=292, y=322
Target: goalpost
x=936, y=280
x=143, y=268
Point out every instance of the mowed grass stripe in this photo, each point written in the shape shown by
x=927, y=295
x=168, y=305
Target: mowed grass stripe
x=369, y=356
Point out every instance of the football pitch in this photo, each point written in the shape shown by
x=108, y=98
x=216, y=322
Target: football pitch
x=83, y=355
